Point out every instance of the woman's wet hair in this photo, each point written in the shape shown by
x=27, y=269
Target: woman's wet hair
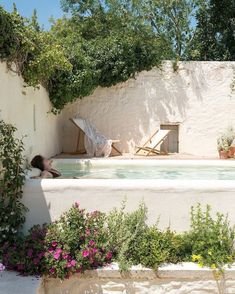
x=37, y=162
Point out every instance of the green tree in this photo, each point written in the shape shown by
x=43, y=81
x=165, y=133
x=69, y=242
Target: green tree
x=168, y=20
x=215, y=31
x=34, y=20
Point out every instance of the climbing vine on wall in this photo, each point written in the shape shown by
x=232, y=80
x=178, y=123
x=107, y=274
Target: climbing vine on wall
x=71, y=60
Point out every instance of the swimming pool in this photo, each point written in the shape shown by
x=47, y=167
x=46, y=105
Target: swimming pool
x=168, y=187
x=147, y=169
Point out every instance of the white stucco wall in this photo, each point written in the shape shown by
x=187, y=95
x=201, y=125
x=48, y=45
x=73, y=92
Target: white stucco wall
x=29, y=111
x=198, y=97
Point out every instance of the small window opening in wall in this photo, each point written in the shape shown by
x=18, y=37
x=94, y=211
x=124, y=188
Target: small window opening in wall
x=171, y=143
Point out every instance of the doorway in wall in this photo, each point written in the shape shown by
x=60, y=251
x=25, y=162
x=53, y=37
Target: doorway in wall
x=171, y=143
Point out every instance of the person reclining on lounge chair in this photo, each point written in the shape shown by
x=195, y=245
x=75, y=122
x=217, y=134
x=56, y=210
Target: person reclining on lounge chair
x=45, y=165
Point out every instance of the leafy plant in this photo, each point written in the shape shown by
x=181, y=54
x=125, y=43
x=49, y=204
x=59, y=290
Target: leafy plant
x=12, y=177
x=212, y=240
x=158, y=247
x=125, y=231
x=225, y=140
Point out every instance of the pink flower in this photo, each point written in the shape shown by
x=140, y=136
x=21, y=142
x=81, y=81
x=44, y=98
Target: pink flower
x=57, y=253
x=77, y=204
x=65, y=256
x=85, y=253
x=56, y=256
x=109, y=255
x=94, y=250
x=71, y=263
x=58, y=250
x=88, y=232
x=52, y=270
x=50, y=250
x=54, y=244
x=91, y=242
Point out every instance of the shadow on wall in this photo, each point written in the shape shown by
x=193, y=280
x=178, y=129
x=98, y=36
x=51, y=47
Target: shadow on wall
x=133, y=110
x=34, y=200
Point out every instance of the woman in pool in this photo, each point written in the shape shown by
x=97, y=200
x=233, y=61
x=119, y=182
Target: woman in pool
x=45, y=165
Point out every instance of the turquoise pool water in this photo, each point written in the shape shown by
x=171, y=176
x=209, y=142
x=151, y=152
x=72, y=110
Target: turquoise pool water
x=129, y=171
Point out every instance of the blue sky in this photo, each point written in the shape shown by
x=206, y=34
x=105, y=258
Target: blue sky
x=45, y=9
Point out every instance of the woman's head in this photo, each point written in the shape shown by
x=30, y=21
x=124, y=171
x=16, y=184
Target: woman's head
x=42, y=163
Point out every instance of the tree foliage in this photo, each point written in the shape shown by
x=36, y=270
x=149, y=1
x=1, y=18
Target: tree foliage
x=215, y=31
x=102, y=43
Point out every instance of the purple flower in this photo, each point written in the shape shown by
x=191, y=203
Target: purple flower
x=2, y=267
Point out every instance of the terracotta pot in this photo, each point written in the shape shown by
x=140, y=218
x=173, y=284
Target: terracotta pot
x=231, y=152
x=223, y=154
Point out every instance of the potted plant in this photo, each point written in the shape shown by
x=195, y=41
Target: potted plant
x=225, y=144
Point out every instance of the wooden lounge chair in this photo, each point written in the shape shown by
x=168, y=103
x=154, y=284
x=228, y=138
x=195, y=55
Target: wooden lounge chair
x=80, y=124
x=153, y=142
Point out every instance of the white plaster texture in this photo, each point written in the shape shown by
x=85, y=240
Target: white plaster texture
x=29, y=110
x=198, y=97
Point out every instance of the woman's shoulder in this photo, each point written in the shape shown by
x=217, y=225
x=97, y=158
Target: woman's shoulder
x=46, y=174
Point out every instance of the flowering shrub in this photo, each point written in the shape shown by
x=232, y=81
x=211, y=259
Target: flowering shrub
x=78, y=241
x=26, y=255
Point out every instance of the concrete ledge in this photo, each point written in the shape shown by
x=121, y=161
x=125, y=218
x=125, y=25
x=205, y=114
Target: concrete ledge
x=13, y=283
x=169, y=279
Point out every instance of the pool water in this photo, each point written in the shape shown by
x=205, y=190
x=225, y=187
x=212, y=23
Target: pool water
x=117, y=170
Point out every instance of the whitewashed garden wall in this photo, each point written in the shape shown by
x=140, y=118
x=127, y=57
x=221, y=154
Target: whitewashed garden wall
x=198, y=97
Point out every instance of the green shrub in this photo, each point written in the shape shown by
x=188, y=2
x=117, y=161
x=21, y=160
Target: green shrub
x=125, y=231
x=211, y=239
x=158, y=247
x=12, y=177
